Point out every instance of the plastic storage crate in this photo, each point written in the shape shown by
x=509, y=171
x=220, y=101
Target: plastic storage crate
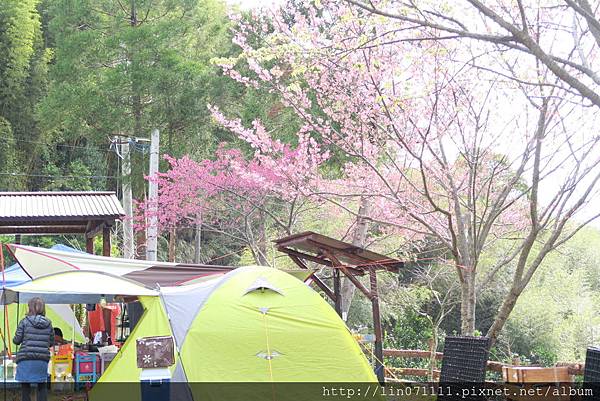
x=465, y=359
x=591, y=373
x=463, y=367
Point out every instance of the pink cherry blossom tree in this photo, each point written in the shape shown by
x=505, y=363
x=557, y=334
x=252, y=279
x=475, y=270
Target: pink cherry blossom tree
x=423, y=136
x=233, y=196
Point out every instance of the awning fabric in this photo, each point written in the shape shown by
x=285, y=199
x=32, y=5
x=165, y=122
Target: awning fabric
x=39, y=262
x=75, y=287
x=14, y=274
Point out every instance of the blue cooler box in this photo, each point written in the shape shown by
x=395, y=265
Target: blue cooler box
x=155, y=384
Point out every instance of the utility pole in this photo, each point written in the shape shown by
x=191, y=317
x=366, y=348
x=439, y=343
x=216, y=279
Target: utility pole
x=152, y=231
x=128, y=247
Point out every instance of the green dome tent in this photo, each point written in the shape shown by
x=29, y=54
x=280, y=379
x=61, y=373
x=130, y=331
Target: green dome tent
x=253, y=324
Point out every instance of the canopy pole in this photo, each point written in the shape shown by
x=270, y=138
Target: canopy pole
x=6, y=325
x=2, y=264
x=5, y=319
x=18, y=315
x=73, y=332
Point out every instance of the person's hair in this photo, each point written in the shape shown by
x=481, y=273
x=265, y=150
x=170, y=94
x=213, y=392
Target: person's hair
x=58, y=332
x=36, y=307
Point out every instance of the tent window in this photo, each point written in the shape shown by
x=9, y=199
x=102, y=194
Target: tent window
x=262, y=284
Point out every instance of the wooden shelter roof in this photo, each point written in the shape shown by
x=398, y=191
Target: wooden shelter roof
x=319, y=248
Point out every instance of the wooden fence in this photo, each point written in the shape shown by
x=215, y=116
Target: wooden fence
x=494, y=366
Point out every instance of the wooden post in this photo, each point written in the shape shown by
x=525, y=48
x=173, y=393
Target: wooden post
x=379, y=370
x=337, y=291
x=89, y=244
x=106, y=240
x=18, y=239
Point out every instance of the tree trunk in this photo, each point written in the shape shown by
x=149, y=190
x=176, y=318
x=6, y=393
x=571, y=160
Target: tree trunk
x=261, y=249
x=358, y=239
x=197, y=243
x=504, y=312
x=468, y=302
x=433, y=343
x=172, y=244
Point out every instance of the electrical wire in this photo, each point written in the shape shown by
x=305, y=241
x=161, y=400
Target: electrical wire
x=57, y=176
x=56, y=144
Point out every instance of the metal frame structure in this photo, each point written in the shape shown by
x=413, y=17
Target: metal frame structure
x=352, y=262
x=55, y=213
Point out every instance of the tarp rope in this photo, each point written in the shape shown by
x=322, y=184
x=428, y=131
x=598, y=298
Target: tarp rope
x=269, y=356
x=385, y=368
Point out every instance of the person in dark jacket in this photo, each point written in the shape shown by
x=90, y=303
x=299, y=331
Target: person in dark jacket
x=35, y=335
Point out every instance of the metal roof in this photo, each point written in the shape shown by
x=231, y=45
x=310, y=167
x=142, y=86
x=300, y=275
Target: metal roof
x=20, y=207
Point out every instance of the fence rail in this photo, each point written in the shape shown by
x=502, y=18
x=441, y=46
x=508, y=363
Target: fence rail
x=494, y=366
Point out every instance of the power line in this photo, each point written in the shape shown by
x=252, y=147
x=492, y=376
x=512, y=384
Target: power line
x=57, y=176
x=56, y=144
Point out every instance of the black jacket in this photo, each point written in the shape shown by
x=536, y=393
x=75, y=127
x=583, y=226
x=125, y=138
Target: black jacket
x=35, y=335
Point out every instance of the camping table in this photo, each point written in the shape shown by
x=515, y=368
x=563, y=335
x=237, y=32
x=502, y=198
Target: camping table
x=531, y=378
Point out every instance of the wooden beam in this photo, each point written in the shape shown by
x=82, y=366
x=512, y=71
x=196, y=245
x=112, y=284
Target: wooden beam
x=293, y=239
x=94, y=227
x=411, y=353
x=356, y=282
x=379, y=371
x=89, y=245
x=337, y=264
x=348, y=273
x=337, y=291
x=316, y=279
x=318, y=260
x=411, y=372
x=306, y=256
x=43, y=229
x=106, y=240
x=362, y=262
x=494, y=366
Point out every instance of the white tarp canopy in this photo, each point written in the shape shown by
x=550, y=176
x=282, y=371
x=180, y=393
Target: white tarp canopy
x=75, y=287
x=54, y=261
x=37, y=262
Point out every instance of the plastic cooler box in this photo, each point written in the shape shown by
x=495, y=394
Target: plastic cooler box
x=156, y=384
